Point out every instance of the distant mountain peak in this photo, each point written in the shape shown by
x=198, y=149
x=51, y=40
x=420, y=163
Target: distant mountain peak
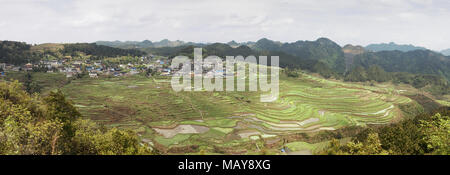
x=446, y=52
x=147, y=42
x=323, y=39
x=232, y=43
x=264, y=40
x=391, y=46
x=267, y=44
x=354, y=50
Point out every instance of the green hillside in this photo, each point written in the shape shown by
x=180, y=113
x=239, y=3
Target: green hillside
x=176, y=121
x=392, y=46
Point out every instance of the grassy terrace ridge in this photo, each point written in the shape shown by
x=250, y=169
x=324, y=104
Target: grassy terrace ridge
x=179, y=121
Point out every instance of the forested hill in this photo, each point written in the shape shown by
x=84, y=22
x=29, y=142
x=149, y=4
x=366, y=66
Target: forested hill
x=323, y=49
x=324, y=55
x=12, y=52
x=222, y=50
x=392, y=46
x=99, y=50
x=417, y=62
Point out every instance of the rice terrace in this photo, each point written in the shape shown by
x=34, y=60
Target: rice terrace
x=178, y=122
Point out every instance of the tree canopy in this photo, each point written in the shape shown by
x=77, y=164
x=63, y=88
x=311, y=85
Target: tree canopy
x=52, y=125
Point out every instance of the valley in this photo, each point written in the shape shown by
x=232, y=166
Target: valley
x=176, y=121
x=318, y=105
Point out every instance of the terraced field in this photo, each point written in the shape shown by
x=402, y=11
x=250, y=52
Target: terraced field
x=170, y=120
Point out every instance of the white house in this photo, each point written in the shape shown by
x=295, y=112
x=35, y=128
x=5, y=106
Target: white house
x=93, y=75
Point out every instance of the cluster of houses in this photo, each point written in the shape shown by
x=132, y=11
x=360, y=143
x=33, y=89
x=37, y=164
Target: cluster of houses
x=207, y=71
x=93, y=68
x=98, y=68
x=5, y=66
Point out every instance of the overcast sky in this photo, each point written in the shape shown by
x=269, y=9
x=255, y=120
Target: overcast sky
x=360, y=22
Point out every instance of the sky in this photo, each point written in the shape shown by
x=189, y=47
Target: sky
x=359, y=22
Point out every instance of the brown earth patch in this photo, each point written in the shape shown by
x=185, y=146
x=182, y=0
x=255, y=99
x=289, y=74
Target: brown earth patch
x=181, y=129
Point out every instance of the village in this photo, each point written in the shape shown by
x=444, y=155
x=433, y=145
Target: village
x=95, y=68
x=148, y=65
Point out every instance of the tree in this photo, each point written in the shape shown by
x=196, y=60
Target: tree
x=22, y=128
x=292, y=72
x=150, y=72
x=91, y=139
x=30, y=85
x=377, y=73
x=59, y=108
x=30, y=125
x=370, y=146
x=436, y=132
x=356, y=75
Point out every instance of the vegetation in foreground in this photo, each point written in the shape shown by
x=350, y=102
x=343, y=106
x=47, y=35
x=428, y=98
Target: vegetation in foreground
x=245, y=124
x=425, y=134
x=51, y=125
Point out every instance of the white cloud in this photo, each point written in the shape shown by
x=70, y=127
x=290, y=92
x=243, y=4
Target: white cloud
x=419, y=22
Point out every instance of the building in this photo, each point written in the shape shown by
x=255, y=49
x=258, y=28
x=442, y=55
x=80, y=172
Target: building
x=70, y=74
x=93, y=75
x=28, y=66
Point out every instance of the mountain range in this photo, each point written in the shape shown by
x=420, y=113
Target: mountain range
x=168, y=43
x=393, y=46
x=146, y=43
x=324, y=56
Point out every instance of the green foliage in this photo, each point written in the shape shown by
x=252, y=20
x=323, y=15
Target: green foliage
x=30, y=85
x=16, y=53
x=428, y=104
x=416, y=62
x=59, y=108
x=90, y=139
x=98, y=51
x=52, y=126
x=392, y=46
x=373, y=73
x=295, y=73
x=432, y=83
x=357, y=74
x=437, y=132
x=403, y=138
x=410, y=110
x=21, y=134
x=322, y=49
x=370, y=146
x=378, y=74
x=323, y=70
x=425, y=134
